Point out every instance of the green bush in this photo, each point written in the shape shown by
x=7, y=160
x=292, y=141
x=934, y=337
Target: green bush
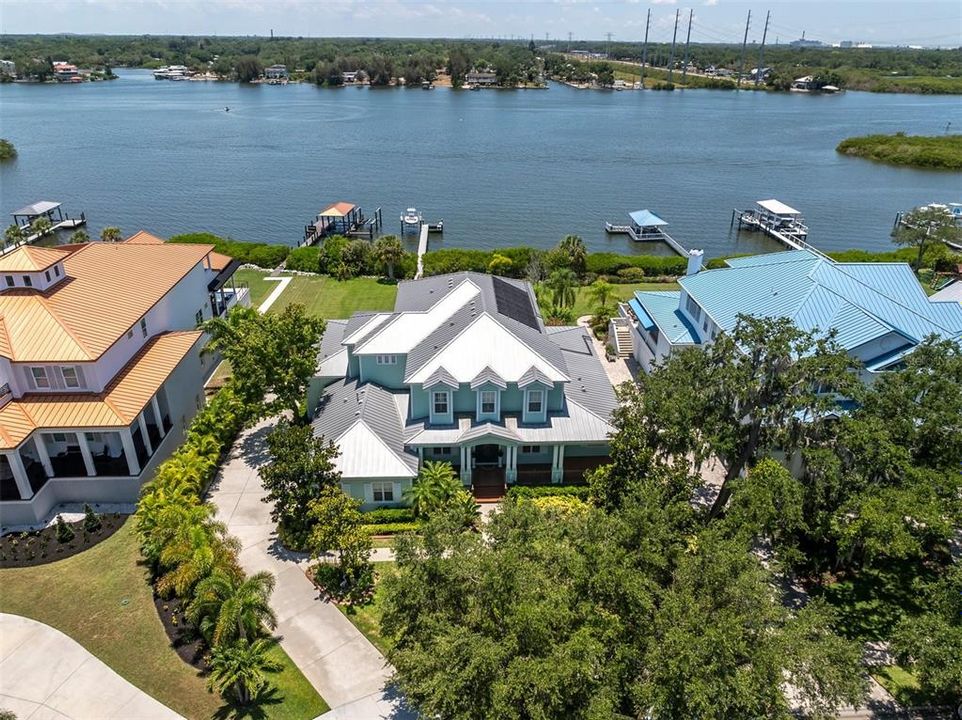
x=390, y=528
x=304, y=259
x=384, y=516
x=535, y=491
x=650, y=265
x=91, y=519
x=64, y=532
x=260, y=254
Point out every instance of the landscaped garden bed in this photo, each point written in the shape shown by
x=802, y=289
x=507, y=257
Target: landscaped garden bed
x=184, y=639
x=58, y=541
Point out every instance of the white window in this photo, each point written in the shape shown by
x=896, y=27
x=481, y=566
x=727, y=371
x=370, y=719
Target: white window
x=383, y=491
x=47, y=275
x=387, y=359
x=536, y=401
x=40, y=378
x=693, y=309
x=143, y=326
x=489, y=402
x=70, y=377
x=530, y=449
x=439, y=399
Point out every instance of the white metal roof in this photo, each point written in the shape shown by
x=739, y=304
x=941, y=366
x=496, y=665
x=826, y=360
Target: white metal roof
x=375, y=321
x=410, y=328
x=777, y=207
x=364, y=454
x=950, y=292
x=487, y=343
x=38, y=208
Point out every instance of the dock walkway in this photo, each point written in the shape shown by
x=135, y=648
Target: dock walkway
x=660, y=236
x=792, y=236
x=422, y=249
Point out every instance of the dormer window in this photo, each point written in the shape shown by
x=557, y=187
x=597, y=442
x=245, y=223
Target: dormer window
x=143, y=326
x=489, y=399
x=535, y=401
x=40, y=378
x=439, y=401
x=70, y=377
x=387, y=359
x=10, y=281
x=56, y=270
x=47, y=275
x=27, y=281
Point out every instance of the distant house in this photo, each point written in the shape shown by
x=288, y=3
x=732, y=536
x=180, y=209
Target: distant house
x=760, y=73
x=65, y=72
x=463, y=371
x=349, y=77
x=878, y=311
x=804, y=84
x=481, y=78
x=8, y=67
x=276, y=72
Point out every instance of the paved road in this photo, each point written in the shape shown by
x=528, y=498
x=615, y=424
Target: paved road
x=45, y=675
x=345, y=668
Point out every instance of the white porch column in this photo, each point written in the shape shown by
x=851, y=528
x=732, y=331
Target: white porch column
x=85, y=452
x=158, y=418
x=133, y=465
x=44, y=455
x=19, y=474
x=512, y=473
x=557, y=463
x=465, y=465
x=143, y=433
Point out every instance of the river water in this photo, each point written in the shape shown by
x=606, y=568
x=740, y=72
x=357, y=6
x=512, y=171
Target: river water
x=500, y=167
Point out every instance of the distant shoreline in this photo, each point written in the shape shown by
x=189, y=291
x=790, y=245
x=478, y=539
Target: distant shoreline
x=941, y=152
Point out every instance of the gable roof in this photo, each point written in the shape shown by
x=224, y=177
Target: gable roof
x=107, y=289
x=861, y=301
x=659, y=308
x=28, y=258
x=364, y=421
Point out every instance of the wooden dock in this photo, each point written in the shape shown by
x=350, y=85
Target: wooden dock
x=657, y=236
x=67, y=223
x=422, y=249
x=777, y=220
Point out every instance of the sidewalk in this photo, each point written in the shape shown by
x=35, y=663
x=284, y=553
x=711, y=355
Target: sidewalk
x=342, y=665
x=46, y=674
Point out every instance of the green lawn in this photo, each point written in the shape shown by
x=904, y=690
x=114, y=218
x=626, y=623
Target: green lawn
x=584, y=305
x=367, y=618
x=903, y=685
x=101, y=598
x=259, y=287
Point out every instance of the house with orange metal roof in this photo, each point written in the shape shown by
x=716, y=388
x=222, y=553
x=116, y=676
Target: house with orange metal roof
x=100, y=366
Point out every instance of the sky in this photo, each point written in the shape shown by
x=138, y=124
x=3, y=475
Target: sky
x=931, y=23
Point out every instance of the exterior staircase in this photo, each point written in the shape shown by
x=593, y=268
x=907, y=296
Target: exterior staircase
x=620, y=333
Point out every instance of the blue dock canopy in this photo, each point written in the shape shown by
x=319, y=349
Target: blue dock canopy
x=646, y=218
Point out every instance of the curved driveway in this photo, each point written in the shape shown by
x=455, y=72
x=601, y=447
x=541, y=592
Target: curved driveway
x=45, y=675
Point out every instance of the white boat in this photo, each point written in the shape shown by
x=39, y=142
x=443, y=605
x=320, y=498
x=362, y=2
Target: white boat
x=411, y=216
x=161, y=73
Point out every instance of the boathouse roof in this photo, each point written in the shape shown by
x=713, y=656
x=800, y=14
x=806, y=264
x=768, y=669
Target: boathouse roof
x=646, y=218
x=777, y=207
x=338, y=209
x=37, y=208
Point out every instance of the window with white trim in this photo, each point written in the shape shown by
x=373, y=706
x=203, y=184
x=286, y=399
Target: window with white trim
x=56, y=270
x=27, y=281
x=382, y=491
x=387, y=359
x=535, y=401
x=70, y=377
x=439, y=401
x=46, y=274
x=489, y=402
x=693, y=308
x=530, y=449
x=40, y=378
x=143, y=326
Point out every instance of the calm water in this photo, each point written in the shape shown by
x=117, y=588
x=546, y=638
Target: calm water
x=501, y=168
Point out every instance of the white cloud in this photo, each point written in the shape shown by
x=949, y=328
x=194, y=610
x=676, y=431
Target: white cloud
x=711, y=3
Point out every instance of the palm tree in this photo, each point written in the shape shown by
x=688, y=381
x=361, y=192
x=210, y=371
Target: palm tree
x=110, y=234
x=41, y=226
x=434, y=486
x=228, y=608
x=164, y=509
x=241, y=667
x=78, y=237
x=13, y=235
x=389, y=252
x=562, y=283
x=193, y=554
x=467, y=508
x=574, y=250
x=600, y=291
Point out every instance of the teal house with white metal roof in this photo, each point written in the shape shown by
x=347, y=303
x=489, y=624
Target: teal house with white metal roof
x=878, y=311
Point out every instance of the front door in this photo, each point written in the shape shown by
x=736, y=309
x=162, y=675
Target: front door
x=486, y=455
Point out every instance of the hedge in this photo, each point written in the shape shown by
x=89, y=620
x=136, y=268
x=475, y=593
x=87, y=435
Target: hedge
x=390, y=528
x=651, y=265
x=304, y=259
x=261, y=254
x=386, y=516
x=533, y=491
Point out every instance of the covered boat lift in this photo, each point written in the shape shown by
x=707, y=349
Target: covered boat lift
x=645, y=225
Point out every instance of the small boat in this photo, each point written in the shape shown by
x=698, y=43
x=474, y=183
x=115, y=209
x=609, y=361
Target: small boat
x=161, y=73
x=427, y=85
x=411, y=218
x=437, y=227
x=227, y=109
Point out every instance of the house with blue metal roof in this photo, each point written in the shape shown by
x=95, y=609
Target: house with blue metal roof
x=464, y=371
x=878, y=311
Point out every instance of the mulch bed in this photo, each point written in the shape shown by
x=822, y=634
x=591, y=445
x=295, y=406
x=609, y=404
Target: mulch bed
x=40, y=547
x=185, y=640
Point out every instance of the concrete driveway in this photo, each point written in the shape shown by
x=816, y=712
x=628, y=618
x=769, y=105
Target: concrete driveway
x=342, y=665
x=45, y=675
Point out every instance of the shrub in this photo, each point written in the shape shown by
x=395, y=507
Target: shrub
x=304, y=259
x=534, y=491
x=260, y=254
x=390, y=528
x=91, y=520
x=383, y=516
x=267, y=256
x=65, y=533
x=631, y=275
